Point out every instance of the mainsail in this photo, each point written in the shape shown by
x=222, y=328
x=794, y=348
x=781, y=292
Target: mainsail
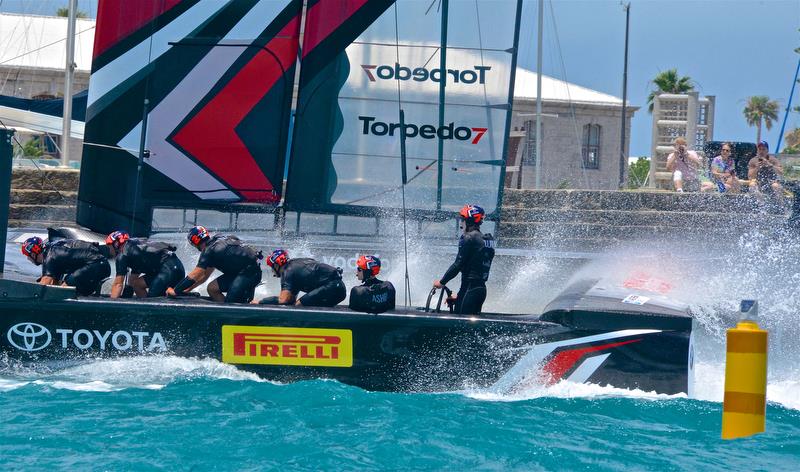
x=190, y=105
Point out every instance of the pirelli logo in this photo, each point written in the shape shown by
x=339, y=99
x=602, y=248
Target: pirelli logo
x=287, y=346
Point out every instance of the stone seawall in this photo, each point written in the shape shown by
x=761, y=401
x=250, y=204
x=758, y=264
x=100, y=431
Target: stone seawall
x=597, y=220
x=556, y=219
x=46, y=196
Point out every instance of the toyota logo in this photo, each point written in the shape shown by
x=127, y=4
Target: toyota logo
x=29, y=337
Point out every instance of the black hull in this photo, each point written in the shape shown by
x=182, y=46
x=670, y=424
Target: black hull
x=399, y=351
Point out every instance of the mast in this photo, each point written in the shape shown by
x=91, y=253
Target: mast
x=622, y=154
x=538, y=160
x=68, y=71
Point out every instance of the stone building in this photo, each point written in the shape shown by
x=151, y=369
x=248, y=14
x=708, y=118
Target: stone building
x=580, y=136
x=33, y=55
x=678, y=115
x=32, y=63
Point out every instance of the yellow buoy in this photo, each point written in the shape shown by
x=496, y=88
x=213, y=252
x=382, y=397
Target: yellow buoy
x=744, y=407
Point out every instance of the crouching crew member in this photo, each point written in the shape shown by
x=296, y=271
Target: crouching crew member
x=474, y=260
x=70, y=262
x=373, y=295
x=321, y=283
x=153, y=265
x=238, y=263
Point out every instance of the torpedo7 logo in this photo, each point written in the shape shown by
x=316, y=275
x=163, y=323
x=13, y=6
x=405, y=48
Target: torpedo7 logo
x=410, y=130
x=421, y=74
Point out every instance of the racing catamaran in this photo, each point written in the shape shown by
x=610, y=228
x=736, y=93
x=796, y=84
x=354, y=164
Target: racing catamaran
x=587, y=334
x=191, y=106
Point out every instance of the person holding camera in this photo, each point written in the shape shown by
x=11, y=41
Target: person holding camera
x=765, y=173
x=684, y=164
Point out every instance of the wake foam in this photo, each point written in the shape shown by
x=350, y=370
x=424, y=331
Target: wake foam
x=111, y=375
x=568, y=390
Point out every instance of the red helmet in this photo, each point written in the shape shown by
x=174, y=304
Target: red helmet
x=278, y=258
x=369, y=264
x=472, y=214
x=32, y=246
x=117, y=239
x=197, y=235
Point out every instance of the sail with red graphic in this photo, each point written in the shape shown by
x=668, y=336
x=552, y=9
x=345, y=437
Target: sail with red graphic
x=190, y=105
x=201, y=88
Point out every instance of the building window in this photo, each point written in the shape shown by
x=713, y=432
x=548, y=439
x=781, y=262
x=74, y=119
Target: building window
x=529, y=151
x=591, y=147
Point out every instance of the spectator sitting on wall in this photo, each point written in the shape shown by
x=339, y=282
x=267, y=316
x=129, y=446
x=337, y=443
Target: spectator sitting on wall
x=684, y=164
x=765, y=172
x=724, y=172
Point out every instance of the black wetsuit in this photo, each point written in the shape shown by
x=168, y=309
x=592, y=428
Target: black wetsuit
x=474, y=261
x=238, y=263
x=321, y=283
x=157, y=263
x=374, y=296
x=81, y=264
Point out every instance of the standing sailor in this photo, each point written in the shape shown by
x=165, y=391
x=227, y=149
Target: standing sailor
x=238, y=263
x=474, y=260
x=153, y=265
x=322, y=283
x=373, y=295
x=69, y=262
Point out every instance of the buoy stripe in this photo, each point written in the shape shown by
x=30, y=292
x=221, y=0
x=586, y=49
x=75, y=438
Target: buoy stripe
x=747, y=342
x=749, y=403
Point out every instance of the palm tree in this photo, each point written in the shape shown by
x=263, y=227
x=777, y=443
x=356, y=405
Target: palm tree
x=760, y=109
x=669, y=82
x=65, y=13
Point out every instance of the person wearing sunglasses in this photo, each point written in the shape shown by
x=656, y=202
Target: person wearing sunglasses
x=723, y=171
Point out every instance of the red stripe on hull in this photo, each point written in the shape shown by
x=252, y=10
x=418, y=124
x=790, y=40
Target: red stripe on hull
x=564, y=361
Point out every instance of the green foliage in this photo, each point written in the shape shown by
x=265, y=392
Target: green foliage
x=792, y=140
x=637, y=172
x=669, y=82
x=760, y=109
x=65, y=13
x=31, y=149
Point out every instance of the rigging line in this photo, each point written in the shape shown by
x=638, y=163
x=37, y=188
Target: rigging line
x=489, y=120
x=42, y=47
x=143, y=137
x=407, y=281
x=569, y=95
x=426, y=46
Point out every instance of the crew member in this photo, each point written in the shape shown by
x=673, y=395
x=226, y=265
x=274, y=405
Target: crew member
x=321, y=283
x=153, y=265
x=69, y=262
x=373, y=295
x=238, y=263
x=474, y=260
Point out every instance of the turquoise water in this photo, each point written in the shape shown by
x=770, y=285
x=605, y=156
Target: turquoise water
x=188, y=414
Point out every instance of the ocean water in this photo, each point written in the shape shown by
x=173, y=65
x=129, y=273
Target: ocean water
x=171, y=413
x=198, y=414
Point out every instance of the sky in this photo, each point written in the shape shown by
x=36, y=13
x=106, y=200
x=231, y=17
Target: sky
x=732, y=49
